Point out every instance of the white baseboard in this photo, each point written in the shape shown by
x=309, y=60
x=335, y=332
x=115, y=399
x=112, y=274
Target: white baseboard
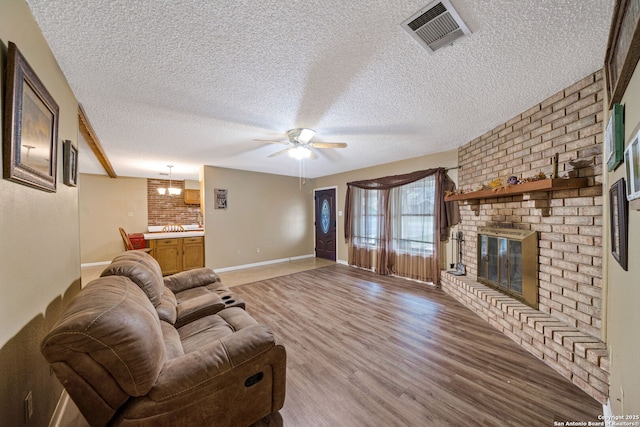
x=262, y=263
x=94, y=264
x=235, y=267
x=607, y=414
x=58, y=413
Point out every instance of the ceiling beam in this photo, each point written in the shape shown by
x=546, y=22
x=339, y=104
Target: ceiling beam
x=92, y=139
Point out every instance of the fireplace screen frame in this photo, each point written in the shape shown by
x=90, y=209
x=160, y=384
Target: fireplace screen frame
x=495, y=269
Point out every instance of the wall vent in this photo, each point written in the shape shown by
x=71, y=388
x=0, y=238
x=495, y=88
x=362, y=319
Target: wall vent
x=436, y=25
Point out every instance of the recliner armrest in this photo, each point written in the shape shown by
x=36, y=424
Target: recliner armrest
x=191, y=279
x=191, y=309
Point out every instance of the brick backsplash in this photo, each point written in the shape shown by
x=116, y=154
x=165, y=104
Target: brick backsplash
x=164, y=209
x=569, y=125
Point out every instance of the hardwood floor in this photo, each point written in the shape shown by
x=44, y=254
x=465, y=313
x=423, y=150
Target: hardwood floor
x=368, y=350
x=254, y=274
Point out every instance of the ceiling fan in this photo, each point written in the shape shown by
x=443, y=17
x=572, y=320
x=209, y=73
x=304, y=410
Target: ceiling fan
x=300, y=145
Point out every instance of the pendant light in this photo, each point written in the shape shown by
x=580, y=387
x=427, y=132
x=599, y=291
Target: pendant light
x=171, y=190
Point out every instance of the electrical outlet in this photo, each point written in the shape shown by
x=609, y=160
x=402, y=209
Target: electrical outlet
x=28, y=407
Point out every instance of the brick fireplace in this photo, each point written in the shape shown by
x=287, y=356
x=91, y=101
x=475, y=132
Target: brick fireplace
x=564, y=331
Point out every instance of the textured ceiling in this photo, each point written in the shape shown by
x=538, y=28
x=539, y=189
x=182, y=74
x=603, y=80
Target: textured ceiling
x=194, y=82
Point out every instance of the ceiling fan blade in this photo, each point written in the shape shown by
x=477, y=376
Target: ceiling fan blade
x=277, y=153
x=270, y=141
x=328, y=144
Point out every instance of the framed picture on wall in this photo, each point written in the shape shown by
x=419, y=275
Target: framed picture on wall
x=632, y=168
x=221, y=198
x=614, y=137
x=30, y=139
x=623, y=48
x=618, y=213
x=70, y=165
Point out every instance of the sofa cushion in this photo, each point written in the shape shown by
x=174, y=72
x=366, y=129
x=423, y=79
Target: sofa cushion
x=167, y=309
x=211, y=328
x=172, y=343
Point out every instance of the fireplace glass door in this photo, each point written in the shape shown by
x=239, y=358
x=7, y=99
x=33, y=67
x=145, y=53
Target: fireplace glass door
x=507, y=261
x=495, y=261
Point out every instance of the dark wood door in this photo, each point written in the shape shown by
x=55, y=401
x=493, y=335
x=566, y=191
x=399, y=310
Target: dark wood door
x=325, y=220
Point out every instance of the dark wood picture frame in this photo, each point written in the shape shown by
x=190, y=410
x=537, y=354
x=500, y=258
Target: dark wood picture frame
x=619, y=217
x=30, y=143
x=623, y=48
x=70, y=163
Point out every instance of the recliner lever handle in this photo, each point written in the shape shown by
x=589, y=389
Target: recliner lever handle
x=253, y=379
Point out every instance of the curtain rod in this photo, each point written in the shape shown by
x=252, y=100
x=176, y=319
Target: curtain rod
x=452, y=167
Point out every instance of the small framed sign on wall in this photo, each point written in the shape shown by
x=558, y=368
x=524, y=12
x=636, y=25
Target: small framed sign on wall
x=221, y=198
x=70, y=164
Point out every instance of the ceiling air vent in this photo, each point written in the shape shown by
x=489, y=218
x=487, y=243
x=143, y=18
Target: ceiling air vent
x=436, y=26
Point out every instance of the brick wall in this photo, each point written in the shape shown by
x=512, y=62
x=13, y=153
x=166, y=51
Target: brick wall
x=569, y=223
x=163, y=209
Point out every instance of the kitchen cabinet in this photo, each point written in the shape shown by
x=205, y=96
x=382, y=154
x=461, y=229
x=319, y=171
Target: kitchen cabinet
x=178, y=254
x=192, y=197
x=192, y=252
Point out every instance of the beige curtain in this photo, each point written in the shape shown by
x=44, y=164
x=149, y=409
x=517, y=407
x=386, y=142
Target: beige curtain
x=393, y=225
x=367, y=248
x=413, y=237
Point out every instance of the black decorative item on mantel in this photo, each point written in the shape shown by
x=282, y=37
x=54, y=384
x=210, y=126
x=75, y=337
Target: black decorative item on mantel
x=460, y=270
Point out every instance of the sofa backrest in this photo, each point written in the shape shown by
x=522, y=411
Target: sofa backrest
x=107, y=346
x=142, y=269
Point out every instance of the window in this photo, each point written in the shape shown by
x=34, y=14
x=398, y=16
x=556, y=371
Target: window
x=368, y=219
x=412, y=210
x=412, y=218
x=393, y=224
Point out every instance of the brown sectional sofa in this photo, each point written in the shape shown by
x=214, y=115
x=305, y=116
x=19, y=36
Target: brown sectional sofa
x=136, y=349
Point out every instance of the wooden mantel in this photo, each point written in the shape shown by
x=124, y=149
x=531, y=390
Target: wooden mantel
x=527, y=187
x=544, y=185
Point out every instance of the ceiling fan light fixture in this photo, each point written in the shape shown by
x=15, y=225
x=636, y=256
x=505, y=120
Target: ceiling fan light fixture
x=300, y=153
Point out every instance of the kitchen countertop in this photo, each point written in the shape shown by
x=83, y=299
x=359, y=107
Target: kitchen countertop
x=190, y=230
x=174, y=234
